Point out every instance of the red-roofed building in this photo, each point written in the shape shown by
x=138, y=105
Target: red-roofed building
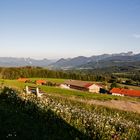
x=41, y=82
x=125, y=92
x=81, y=85
x=23, y=80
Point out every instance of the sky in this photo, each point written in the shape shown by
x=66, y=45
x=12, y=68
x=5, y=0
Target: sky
x=68, y=28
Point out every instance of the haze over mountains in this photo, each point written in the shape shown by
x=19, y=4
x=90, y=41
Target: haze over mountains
x=16, y=62
x=80, y=62
x=98, y=61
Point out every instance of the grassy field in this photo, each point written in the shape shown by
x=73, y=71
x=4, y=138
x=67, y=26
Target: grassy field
x=64, y=92
x=21, y=85
x=54, y=80
x=123, y=85
x=14, y=84
x=130, y=87
x=56, y=90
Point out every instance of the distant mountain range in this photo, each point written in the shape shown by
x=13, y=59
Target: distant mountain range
x=97, y=61
x=16, y=62
x=80, y=62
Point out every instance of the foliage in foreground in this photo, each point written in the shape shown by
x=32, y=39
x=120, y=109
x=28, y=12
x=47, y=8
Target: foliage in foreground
x=24, y=120
x=80, y=123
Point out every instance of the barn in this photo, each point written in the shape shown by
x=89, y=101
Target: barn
x=81, y=85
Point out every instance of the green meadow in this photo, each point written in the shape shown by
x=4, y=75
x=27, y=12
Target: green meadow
x=62, y=92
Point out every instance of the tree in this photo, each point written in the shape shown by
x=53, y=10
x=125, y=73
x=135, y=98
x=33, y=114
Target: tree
x=114, y=85
x=126, y=87
x=129, y=82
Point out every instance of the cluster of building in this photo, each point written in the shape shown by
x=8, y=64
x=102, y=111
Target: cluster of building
x=89, y=87
x=98, y=88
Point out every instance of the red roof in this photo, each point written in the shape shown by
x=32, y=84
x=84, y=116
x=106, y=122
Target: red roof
x=127, y=92
x=88, y=85
x=23, y=79
x=40, y=81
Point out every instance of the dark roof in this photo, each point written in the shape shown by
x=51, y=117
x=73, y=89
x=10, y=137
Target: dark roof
x=127, y=92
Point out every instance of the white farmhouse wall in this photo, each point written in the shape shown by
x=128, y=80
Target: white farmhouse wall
x=117, y=94
x=64, y=86
x=94, y=88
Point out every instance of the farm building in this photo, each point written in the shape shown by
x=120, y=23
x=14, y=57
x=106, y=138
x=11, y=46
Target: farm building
x=24, y=80
x=41, y=82
x=64, y=86
x=81, y=85
x=125, y=92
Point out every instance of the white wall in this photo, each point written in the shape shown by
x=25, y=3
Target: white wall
x=64, y=86
x=117, y=94
x=94, y=88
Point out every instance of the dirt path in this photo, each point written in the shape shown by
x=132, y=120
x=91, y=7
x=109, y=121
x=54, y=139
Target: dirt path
x=118, y=104
x=133, y=106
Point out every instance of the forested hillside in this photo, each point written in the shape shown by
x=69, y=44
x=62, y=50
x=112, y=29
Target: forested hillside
x=111, y=74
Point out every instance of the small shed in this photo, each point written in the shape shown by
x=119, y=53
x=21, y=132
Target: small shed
x=24, y=80
x=41, y=82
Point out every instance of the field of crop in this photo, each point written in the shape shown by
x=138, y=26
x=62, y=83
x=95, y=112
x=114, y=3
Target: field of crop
x=59, y=118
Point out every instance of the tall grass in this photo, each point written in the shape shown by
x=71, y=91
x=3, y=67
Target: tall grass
x=92, y=123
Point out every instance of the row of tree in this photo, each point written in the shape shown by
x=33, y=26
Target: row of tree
x=17, y=72
x=30, y=72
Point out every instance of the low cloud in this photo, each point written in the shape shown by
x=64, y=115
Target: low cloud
x=136, y=36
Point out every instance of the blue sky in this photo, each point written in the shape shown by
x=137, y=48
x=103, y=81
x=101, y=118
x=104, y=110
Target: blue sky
x=67, y=28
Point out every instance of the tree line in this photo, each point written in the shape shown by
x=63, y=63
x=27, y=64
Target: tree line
x=32, y=72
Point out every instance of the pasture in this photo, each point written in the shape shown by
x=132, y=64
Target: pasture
x=63, y=92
